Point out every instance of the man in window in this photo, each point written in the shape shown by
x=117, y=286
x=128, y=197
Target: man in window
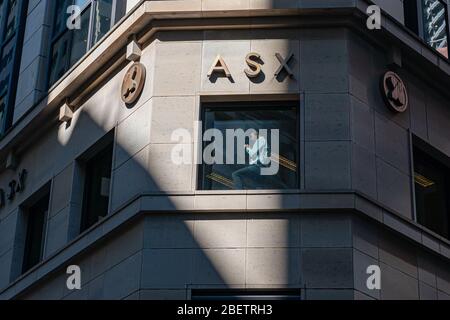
x=258, y=153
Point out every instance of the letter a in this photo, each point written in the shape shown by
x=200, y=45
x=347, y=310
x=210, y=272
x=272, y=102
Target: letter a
x=219, y=65
x=374, y=280
x=374, y=19
x=74, y=281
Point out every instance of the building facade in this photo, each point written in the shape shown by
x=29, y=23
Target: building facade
x=110, y=107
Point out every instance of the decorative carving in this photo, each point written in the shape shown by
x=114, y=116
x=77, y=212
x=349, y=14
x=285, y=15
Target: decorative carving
x=133, y=83
x=394, y=92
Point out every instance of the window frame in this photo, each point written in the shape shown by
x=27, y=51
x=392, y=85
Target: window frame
x=444, y=161
x=257, y=105
x=54, y=38
x=23, y=229
x=81, y=179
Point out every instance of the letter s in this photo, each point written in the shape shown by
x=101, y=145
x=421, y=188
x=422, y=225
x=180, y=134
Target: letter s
x=255, y=67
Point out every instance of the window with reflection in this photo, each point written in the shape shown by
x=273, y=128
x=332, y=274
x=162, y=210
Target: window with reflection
x=249, y=146
x=70, y=43
x=36, y=216
x=435, y=25
x=97, y=169
x=12, y=27
x=2, y=112
x=429, y=20
x=432, y=189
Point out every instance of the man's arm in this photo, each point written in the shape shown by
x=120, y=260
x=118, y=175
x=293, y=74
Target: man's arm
x=257, y=146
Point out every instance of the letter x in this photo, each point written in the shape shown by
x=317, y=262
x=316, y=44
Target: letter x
x=284, y=65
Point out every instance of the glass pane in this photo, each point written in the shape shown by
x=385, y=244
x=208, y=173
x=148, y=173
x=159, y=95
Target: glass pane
x=11, y=18
x=61, y=16
x=121, y=10
x=81, y=3
x=432, y=193
x=435, y=25
x=96, y=196
x=5, y=66
x=102, y=19
x=60, y=57
x=35, y=233
x=80, y=39
x=258, y=159
x=2, y=4
x=70, y=46
x=2, y=113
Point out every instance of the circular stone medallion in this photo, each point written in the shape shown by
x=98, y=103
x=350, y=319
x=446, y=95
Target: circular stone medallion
x=133, y=83
x=394, y=92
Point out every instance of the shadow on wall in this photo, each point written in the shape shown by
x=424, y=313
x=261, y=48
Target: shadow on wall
x=163, y=255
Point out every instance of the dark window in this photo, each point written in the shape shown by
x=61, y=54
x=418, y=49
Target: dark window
x=96, y=187
x=12, y=28
x=245, y=294
x=36, y=216
x=428, y=19
x=411, y=15
x=432, y=188
x=70, y=45
x=265, y=156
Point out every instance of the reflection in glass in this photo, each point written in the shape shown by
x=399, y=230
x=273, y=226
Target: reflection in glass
x=61, y=16
x=11, y=18
x=69, y=46
x=102, y=19
x=435, y=25
x=34, y=243
x=60, y=56
x=260, y=150
x=2, y=4
x=96, y=189
x=2, y=113
x=5, y=66
x=80, y=39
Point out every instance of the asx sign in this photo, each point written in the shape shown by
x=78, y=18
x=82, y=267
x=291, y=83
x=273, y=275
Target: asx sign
x=255, y=66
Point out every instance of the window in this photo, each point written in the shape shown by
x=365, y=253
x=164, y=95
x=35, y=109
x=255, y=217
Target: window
x=36, y=217
x=12, y=27
x=97, y=175
x=432, y=188
x=428, y=19
x=245, y=294
x=69, y=45
x=250, y=146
